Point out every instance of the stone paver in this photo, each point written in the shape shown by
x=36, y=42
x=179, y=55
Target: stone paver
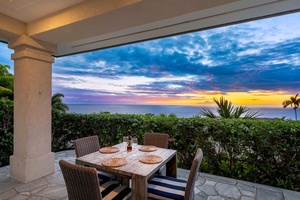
x=32, y=185
x=229, y=191
x=209, y=190
x=207, y=187
x=215, y=198
x=268, y=194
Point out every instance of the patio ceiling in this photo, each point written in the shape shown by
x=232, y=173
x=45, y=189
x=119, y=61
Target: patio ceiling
x=76, y=26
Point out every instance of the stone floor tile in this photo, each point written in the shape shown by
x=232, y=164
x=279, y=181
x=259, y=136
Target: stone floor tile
x=200, y=196
x=4, y=175
x=228, y=190
x=8, y=183
x=38, y=189
x=25, y=193
x=218, y=178
x=246, y=190
x=209, y=190
x=245, y=182
x=70, y=159
x=56, y=192
x=248, y=193
x=35, y=198
x=19, y=197
x=56, y=178
x=32, y=185
x=246, y=187
x=56, y=167
x=45, y=198
x=215, y=198
x=196, y=190
x=248, y=198
x=263, y=194
x=183, y=173
x=267, y=187
x=209, y=182
x=291, y=195
x=70, y=153
x=198, y=183
x=60, y=155
x=8, y=194
x=200, y=179
x=54, y=185
x=5, y=169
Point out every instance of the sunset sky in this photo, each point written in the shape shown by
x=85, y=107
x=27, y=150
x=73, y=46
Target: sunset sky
x=255, y=64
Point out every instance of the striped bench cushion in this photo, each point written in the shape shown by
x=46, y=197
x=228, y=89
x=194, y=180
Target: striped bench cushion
x=112, y=190
x=164, y=187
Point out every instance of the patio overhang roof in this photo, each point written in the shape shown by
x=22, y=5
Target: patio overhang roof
x=76, y=26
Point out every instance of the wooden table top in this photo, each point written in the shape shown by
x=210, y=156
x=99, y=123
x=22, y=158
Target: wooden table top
x=133, y=166
x=135, y=170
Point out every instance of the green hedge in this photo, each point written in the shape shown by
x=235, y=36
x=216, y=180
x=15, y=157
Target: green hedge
x=6, y=130
x=261, y=151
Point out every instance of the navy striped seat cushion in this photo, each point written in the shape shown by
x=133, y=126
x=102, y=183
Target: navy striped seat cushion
x=104, y=177
x=164, y=187
x=112, y=190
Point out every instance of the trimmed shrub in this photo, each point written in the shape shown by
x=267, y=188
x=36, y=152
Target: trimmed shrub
x=6, y=130
x=261, y=151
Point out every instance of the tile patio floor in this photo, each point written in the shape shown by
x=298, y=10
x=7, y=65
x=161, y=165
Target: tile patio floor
x=208, y=187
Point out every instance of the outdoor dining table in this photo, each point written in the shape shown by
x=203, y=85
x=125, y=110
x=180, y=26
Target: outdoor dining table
x=134, y=169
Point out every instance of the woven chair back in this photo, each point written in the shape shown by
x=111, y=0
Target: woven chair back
x=157, y=139
x=81, y=182
x=86, y=145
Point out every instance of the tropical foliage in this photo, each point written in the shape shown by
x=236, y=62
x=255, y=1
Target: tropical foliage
x=6, y=130
x=57, y=103
x=261, y=151
x=226, y=109
x=294, y=102
x=6, y=82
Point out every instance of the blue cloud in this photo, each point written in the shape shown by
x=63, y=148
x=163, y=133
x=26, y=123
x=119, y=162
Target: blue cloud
x=261, y=55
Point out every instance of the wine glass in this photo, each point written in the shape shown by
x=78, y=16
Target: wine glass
x=125, y=143
x=134, y=144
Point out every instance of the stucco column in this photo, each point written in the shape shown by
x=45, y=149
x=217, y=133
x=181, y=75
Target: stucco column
x=32, y=109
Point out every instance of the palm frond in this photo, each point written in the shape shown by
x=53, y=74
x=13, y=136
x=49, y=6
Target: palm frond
x=57, y=103
x=207, y=113
x=226, y=109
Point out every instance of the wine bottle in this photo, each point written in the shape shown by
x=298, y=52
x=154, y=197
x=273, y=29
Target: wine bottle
x=129, y=143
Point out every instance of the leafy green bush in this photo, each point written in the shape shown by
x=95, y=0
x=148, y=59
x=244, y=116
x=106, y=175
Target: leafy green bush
x=6, y=130
x=4, y=92
x=261, y=151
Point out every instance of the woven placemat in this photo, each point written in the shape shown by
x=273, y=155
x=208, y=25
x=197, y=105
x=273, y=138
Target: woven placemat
x=114, y=162
x=109, y=150
x=147, y=148
x=150, y=159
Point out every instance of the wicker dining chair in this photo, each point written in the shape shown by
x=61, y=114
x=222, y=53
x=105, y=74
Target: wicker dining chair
x=87, y=145
x=164, y=187
x=82, y=184
x=157, y=139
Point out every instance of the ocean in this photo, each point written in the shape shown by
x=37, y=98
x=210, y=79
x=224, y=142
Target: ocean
x=179, y=111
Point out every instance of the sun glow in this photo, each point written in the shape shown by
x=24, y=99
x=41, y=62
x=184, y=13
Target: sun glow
x=252, y=98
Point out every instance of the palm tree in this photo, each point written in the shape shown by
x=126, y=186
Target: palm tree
x=227, y=110
x=57, y=103
x=294, y=102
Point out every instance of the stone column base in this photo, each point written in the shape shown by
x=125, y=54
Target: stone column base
x=28, y=169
